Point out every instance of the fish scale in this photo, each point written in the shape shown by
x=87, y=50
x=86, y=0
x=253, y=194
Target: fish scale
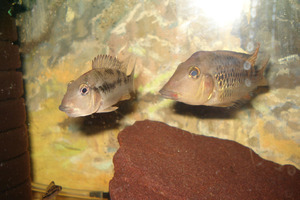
x=229, y=80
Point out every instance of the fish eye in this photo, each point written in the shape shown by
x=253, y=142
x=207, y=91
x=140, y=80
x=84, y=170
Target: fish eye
x=70, y=83
x=84, y=89
x=194, y=72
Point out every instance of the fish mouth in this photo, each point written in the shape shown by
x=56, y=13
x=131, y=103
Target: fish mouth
x=169, y=94
x=65, y=108
x=68, y=110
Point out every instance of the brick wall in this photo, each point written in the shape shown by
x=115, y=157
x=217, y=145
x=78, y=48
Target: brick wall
x=15, y=181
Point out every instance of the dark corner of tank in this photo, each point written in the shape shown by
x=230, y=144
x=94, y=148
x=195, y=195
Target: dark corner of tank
x=174, y=99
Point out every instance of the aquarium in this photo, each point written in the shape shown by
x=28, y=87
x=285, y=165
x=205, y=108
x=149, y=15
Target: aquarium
x=59, y=41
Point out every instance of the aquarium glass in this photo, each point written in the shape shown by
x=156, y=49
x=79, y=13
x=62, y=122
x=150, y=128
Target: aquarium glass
x=59, y=39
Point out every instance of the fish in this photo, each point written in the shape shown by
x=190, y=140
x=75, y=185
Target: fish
x=98, y=90
x=216, y=78
x=51, y=191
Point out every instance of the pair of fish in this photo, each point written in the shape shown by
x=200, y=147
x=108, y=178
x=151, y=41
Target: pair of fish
x=211, y=78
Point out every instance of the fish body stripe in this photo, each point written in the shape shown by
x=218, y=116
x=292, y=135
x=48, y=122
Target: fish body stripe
x=119, y=81
x=109, y=79
x=109, y=71
x=106, y=87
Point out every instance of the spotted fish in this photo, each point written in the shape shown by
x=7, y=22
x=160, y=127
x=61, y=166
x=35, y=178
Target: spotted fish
x=215, y=78
x=98, y=90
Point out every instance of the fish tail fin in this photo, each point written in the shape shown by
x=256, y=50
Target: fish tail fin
x=253, y=57
x=260, y=73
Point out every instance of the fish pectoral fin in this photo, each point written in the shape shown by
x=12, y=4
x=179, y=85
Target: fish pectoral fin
x=109, y=109
x=247, y=97
x=226, y=105
x=125, y=97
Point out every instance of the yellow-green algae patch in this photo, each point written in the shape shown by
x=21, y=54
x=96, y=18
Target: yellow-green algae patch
x=283, y=146
x=155, y=84
x=61, y=153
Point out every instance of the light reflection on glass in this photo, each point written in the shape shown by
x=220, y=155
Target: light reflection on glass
x=221, y=12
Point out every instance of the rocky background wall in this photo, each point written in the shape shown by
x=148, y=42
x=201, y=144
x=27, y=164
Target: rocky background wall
x=60, y=38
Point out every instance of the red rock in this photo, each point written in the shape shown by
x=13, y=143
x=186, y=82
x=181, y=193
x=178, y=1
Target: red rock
x=156, y=161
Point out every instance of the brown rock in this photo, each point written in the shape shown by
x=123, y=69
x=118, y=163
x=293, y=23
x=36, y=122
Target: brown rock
x=11, y=85
x=14, y=172
x=156, y=161
x=8, y=29
x=12, y=114
x=9, y=56
x=20, y=192
x=13, y=143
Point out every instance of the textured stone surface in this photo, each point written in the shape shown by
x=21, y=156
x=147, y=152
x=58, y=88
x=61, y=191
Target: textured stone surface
x=11, y=85
x=156, y=161
x=13, y=143
x=12, y=114
x=22, y=191
x=14, y=172
x=9, y=56
x=14, y=155
x=8, y=29
x=60, y=38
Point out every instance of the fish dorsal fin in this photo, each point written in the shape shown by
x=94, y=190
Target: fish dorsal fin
x=107, y=61
x=260, y=72
x=252, y=58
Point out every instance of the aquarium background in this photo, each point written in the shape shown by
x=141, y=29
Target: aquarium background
x=60, y=38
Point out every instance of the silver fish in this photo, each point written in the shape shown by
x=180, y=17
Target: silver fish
x=98, y=90
x=215, y=78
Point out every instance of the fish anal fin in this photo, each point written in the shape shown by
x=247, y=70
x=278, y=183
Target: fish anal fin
x=253, y=57
x=245, y=99
x=237, y=103
x=230, y=104
x=109, y=109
